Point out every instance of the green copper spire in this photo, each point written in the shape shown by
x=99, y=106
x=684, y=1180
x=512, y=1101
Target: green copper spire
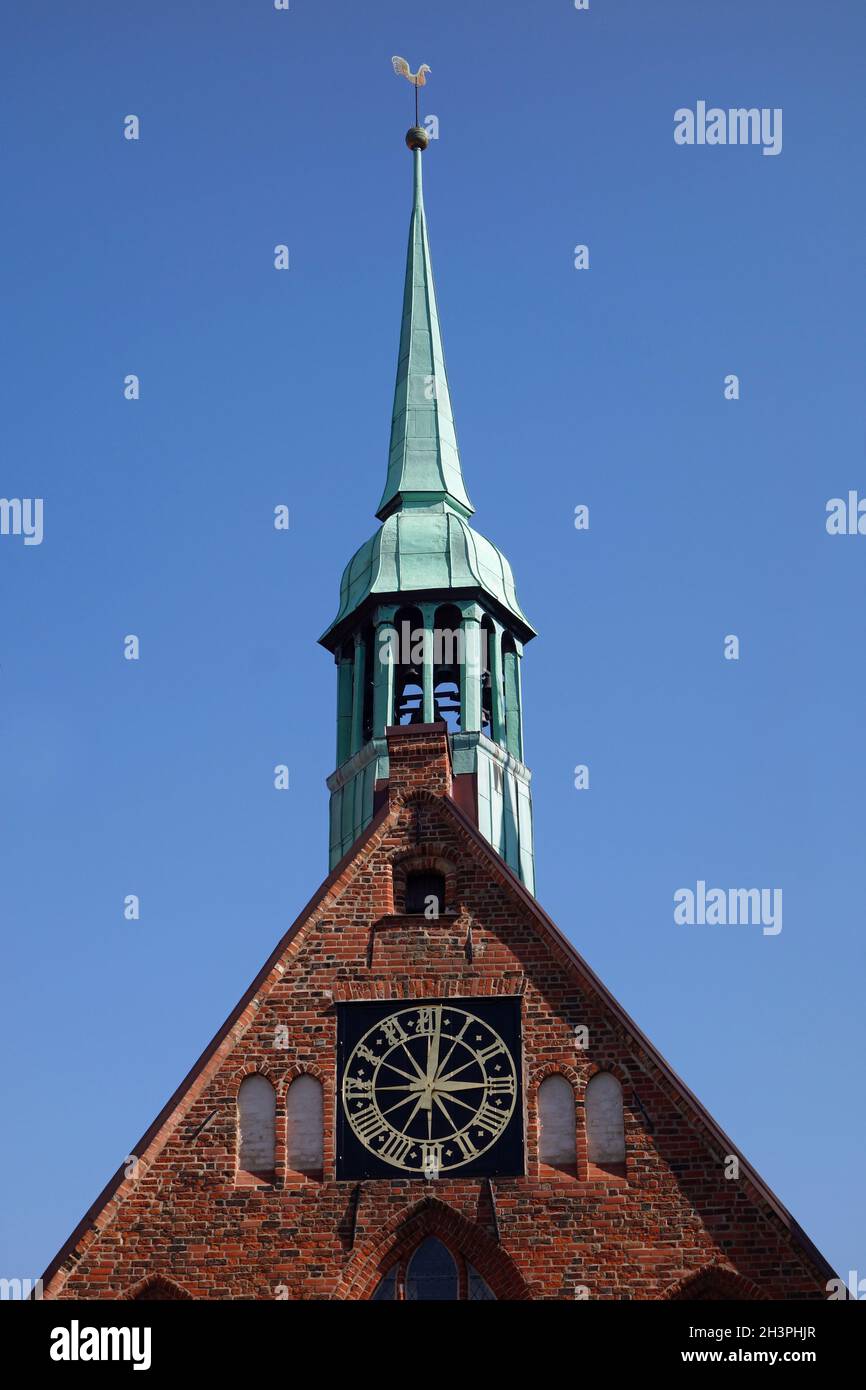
x=423, y=463
x=429, y=628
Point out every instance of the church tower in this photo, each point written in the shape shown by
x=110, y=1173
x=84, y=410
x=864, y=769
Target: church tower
x=429, y=628
x=426, y=1092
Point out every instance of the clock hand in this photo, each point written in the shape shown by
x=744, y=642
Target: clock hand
x=452, y=1100
x=419, y=1105
x=445, y=1112
x=407, y=1100
x=458, y=1085
x=443, y=1064
x=432, y=1064
x=408, y=1075
x=457, y=1071
x=408, y=1054
x=433, y=1049
x=415, y=1087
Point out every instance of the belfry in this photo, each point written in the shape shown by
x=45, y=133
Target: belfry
x=429, y=627
x=426, y=1093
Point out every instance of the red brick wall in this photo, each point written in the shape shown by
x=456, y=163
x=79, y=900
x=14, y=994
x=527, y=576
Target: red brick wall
x=185, y=1216
x=419, y=755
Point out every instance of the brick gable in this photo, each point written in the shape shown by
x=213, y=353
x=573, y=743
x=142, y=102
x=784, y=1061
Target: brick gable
x=185, y=1217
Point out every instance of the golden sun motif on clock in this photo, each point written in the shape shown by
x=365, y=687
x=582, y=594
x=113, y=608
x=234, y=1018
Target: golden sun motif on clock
x=429, y=1088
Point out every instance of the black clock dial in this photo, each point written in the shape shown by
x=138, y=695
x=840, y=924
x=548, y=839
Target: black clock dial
x=431, y=1087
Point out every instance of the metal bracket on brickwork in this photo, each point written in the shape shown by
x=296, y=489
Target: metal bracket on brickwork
x=639, y=1103
x=203, y=1126
x=470, y=955
x=491, y=1192
x=356, y=1202
x=370, y=948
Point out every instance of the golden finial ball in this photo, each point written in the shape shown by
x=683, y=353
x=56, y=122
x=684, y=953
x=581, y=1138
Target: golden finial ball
x=417, y=138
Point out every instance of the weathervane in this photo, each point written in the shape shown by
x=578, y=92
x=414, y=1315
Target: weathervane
x=416, y=138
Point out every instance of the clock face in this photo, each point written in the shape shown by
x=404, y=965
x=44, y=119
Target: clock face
x=430, y=1087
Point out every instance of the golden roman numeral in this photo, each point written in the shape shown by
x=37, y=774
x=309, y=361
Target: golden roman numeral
x=489, y=1117
x=393, y=1031
x=431, y=1159
x=368, y=1123
x=429, y=1019
x=465, y=1145
x=396, y=1147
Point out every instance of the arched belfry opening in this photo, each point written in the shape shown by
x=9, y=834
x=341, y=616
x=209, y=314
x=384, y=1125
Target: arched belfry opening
x=448, y=666
x=409, y=673
x=488, y=643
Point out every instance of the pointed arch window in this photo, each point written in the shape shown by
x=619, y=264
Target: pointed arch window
x=605, y=1125
x=433, y=1273
x=386, y=1289
x=713, y=1285
x=257, y=1109
x=477, y=1289
x=305, y=1127
x=159, y=1289
x=557, y=1134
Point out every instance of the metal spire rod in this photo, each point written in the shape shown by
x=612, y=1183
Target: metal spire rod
x=418, y=79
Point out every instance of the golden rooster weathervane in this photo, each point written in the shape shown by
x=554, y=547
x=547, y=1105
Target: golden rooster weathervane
x=418, y=79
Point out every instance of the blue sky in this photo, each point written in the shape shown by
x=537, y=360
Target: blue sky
x=602, y=387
